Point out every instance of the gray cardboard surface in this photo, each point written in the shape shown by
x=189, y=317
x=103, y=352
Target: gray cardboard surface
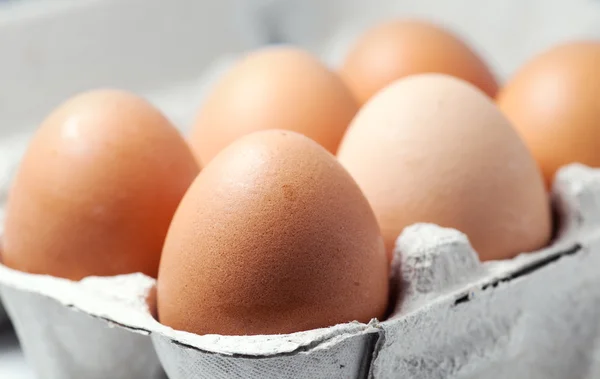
x=535, y=320
x=345, y=359
x=62, y=342
x=64, y=333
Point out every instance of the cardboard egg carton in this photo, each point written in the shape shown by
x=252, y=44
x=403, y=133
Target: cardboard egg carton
x=535, y=316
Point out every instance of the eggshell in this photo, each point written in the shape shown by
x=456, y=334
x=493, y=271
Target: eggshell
x=274, y=88
x=273, y=237
x=97, y=188
x=433, y=148
x=399, y=48
x=553, y=101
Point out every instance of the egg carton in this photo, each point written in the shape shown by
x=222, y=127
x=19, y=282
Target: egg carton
x=534, y=316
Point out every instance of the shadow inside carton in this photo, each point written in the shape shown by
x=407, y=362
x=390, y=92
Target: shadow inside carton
x=557, y=222
x=12, y=361
x=151, y=302
x=523, y=271
x=8, y=337
x=398, y=288
x=4, y=321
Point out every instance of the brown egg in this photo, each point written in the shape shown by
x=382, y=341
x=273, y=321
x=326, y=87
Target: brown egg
x=274, y=88
x=97, y=188
x=272, y=237
x=400, y=48
x=433, y=148
x=554, y=102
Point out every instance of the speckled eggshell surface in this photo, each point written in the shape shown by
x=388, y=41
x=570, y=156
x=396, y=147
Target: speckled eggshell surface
x=273, y=237
x=97, y=188
x=433, y=148
x=275, y=87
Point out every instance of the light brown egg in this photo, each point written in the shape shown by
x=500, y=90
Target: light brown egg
x=433, y=148
x=399, y=48
x=97, y=188
x=554, y=102
x=274, y=88
x=273, y=236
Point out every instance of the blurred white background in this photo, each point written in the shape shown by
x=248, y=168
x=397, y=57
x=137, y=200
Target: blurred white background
x=52, y=49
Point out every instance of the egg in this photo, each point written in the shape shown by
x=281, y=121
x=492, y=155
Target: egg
x=273, y=237
x=553, y=101
x=96, y=189
x=433, y=148
x=274, y=88
x=399, y=48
